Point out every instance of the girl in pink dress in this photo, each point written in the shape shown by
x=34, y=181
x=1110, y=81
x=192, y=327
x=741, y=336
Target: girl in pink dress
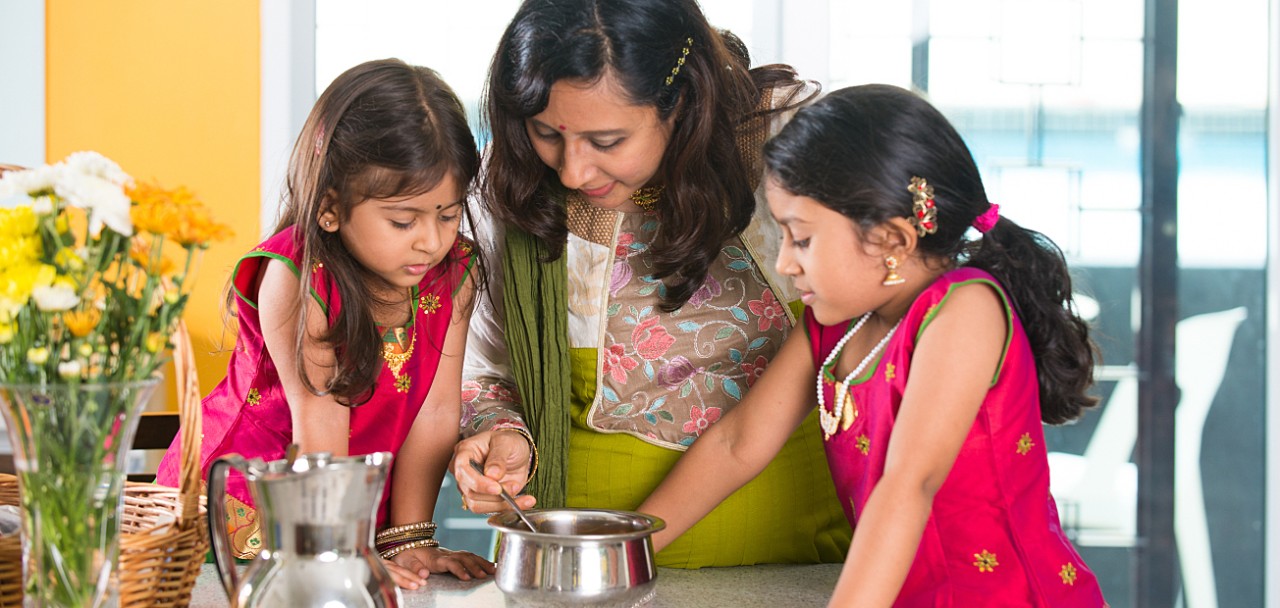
x=352, y=317
x=941, y=336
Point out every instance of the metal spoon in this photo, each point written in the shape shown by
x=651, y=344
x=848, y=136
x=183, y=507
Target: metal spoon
x=507, y=497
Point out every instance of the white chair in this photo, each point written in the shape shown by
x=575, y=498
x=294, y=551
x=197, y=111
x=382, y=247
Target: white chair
x=1100, y=487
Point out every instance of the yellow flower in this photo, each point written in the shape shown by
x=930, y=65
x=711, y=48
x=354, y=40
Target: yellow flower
x=37, y=355
x=81, y=323
x=17, y=222
x=17, y=283
x=85, y=350
x=6, y=333
x=156, y=341
x=68, y=260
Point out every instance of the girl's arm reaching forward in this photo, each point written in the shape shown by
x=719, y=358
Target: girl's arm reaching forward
x=951, y=370
x=320, y=424
x=740, y=445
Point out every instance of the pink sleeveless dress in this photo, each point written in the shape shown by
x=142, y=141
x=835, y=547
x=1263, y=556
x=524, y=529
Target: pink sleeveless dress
x=247, y=413
x=993, y=538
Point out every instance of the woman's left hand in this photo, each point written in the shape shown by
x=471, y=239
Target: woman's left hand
x=411, y=568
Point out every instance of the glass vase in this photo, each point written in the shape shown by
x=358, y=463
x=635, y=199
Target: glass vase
x=69, y=443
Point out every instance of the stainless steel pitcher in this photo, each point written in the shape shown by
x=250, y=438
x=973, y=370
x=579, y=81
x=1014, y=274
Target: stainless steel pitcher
x=317, y=517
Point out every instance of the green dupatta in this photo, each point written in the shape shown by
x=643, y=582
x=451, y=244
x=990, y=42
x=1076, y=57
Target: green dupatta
x=537, y=334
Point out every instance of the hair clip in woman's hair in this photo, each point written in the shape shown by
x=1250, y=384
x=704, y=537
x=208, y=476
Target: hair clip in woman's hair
x=684, y=52
x=926, y=213
x=988, y=219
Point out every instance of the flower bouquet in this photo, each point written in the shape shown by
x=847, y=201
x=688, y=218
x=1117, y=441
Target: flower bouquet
x=95, y=272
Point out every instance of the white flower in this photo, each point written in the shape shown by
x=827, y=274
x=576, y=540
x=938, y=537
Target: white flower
x=54, y=298
x=97, y=165
x=106, y=201
x=42, y=205
x=69, y=369
x=29, y=181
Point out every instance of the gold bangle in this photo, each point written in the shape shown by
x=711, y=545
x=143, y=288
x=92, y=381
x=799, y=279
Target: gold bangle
x=390, y=541
x=428, y=526
x=398, y=549
x=533, y=448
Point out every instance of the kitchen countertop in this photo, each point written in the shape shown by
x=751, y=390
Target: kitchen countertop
x=768, y=586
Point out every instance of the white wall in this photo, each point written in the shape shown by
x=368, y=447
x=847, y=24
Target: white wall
x=22, y=94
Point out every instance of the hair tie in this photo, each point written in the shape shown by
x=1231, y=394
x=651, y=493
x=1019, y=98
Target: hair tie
x=319, y=139
x=988, y=218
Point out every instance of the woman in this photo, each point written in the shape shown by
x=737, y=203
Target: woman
x=636, y=300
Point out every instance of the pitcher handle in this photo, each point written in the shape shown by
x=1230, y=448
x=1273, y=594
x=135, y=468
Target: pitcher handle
x=217, y=510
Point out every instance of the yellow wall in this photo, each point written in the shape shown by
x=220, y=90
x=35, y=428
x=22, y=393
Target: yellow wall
x=170, y=90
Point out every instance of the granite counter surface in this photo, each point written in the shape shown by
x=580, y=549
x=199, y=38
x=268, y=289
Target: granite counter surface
x=768, y=586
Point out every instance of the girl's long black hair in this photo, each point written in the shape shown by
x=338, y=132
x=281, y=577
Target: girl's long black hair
x=856, y=150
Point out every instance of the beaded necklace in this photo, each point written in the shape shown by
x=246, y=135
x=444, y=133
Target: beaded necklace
x=830, y=422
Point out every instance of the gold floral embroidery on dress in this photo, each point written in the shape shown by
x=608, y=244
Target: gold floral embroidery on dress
x=864, y=444
x=429, y=303
x=1024, y=444
x=242, y=529
x=254, y=397
x=465, y=246
x=402, y=383
x=889, y=374
x=1068, y=574
x=316, y=265
x=985, y=561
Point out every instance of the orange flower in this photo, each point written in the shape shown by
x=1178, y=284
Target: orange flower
x=81, y=323
x=175, y=213
x=140, y=253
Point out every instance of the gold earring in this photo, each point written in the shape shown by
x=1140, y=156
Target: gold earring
x=893, y=278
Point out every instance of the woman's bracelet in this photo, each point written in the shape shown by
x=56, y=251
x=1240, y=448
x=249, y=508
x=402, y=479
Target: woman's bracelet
x=533, y=447
x=398, y=549
x=426, y=528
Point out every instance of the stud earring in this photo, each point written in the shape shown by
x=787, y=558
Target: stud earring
x=328, y=224
x=892, y=278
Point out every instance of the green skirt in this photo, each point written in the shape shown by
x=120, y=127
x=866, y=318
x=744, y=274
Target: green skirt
x=788, y=514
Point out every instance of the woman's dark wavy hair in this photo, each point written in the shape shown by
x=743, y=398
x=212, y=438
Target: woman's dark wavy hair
x=382, y=129
x=709, y=186
x=856, y=150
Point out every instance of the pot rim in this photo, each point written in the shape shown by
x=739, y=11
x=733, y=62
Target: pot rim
x=512, y=527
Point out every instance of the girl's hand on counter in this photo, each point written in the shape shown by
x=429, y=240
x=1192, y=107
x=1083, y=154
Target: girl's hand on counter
x=411, y=568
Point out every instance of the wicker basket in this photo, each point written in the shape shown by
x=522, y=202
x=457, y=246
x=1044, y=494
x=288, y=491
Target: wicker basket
x=164, y=536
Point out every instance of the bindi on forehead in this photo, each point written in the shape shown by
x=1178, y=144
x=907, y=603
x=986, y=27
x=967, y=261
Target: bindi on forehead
x=561, y=127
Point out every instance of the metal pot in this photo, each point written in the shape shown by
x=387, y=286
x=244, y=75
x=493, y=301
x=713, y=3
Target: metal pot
x=581, y=557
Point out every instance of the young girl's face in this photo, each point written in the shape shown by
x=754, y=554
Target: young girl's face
x=599, y=143
x=400, y=239
x=837, y=273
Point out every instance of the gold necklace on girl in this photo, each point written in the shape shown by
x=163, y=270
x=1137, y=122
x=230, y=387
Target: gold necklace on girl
x=396, y=360
x=839, y=419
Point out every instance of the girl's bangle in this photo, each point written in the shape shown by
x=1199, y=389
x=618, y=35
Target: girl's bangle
x=387, y=542
x=398, y=549
x=426, y=528
x=533, y=448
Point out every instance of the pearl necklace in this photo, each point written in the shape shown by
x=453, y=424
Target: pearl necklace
x=830, y=422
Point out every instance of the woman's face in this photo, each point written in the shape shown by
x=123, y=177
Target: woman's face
x=599, y=143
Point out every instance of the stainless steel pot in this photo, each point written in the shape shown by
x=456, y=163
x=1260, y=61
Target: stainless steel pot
x=577, y=557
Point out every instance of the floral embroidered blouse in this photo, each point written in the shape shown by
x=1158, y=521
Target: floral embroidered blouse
x=661, y=377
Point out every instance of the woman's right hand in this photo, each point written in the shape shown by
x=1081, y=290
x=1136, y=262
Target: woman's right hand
x=505, y=458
